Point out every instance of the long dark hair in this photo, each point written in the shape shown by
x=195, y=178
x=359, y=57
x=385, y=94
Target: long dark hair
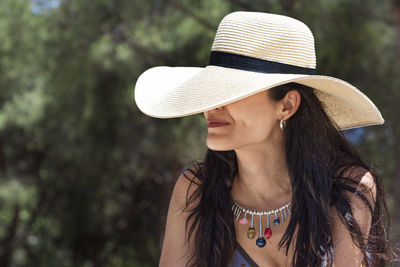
x=324, y=169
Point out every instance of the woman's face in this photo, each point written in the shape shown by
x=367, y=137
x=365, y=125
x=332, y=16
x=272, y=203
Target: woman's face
x=251, y=121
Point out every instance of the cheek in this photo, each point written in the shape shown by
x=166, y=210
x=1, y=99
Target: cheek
x=259, y=129
x=256, y=126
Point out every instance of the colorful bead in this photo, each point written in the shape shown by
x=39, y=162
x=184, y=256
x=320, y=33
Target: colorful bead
x=267, y=233
x=243, y=221
x=261, y=242
x=276, y=221
x=251, y=233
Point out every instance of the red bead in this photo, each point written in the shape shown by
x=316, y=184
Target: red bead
x=267, y=233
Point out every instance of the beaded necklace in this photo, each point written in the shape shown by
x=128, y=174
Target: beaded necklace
x=251, y=232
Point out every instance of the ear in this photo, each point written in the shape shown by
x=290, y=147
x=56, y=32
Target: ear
x=290, y=104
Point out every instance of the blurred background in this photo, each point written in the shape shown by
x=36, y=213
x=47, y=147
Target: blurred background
x=85, y=177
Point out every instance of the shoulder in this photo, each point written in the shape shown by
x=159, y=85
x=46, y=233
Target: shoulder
x=361, y=203
x=186, y=184
x=364, y=184
x=368, y=182
x=176, y=251
x=362, y=199
x=189, y=176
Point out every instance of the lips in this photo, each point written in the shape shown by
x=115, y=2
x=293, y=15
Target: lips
x=216, y=123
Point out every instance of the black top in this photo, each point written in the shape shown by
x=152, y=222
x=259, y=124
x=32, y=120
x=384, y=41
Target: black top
x=241, y=258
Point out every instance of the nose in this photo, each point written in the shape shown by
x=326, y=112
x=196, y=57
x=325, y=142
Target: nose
x=216, y=109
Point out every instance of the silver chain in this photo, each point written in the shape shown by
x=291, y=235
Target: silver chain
x=237, y=209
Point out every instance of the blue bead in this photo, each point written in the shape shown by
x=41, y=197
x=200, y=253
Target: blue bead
x=261, y=242
x=277, y=221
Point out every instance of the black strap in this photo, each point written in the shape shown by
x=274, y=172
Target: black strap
x=246, y=256
x=240, y=62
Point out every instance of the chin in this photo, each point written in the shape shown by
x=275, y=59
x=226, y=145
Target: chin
x=219, y=146
x=220, y=149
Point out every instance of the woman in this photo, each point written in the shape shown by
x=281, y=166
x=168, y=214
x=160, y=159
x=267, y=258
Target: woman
x=279, y=185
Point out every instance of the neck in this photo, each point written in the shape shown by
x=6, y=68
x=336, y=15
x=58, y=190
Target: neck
x=262, y=181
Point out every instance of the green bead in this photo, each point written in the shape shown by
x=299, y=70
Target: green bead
x=251, y=233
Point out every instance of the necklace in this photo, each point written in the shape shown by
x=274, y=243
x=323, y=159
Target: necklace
x=251, y=232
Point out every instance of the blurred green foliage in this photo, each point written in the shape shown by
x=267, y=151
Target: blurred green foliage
x=85, y=178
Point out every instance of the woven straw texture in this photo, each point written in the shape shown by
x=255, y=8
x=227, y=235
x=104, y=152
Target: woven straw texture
x=266, y=36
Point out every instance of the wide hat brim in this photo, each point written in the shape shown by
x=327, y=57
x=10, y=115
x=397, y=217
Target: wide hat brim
x=171, y=92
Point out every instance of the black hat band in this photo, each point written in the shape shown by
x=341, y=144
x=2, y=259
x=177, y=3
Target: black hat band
x=240, y=62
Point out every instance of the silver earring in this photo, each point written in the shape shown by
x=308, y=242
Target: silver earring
x=282, y=124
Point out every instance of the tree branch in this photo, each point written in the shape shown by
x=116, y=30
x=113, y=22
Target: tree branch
x=191, y=14
x=241, y=4
x=8, y=243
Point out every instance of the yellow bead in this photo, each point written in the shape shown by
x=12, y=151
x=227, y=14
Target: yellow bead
x=251, y=233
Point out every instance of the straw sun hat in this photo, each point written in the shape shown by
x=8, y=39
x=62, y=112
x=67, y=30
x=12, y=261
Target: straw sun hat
x=251, y=52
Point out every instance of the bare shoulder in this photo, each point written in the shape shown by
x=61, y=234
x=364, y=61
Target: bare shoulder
x=362, y=202
x=176, y=251
x=366, y=185
x=367, y=181
x=185, y=186
x=347, y=253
